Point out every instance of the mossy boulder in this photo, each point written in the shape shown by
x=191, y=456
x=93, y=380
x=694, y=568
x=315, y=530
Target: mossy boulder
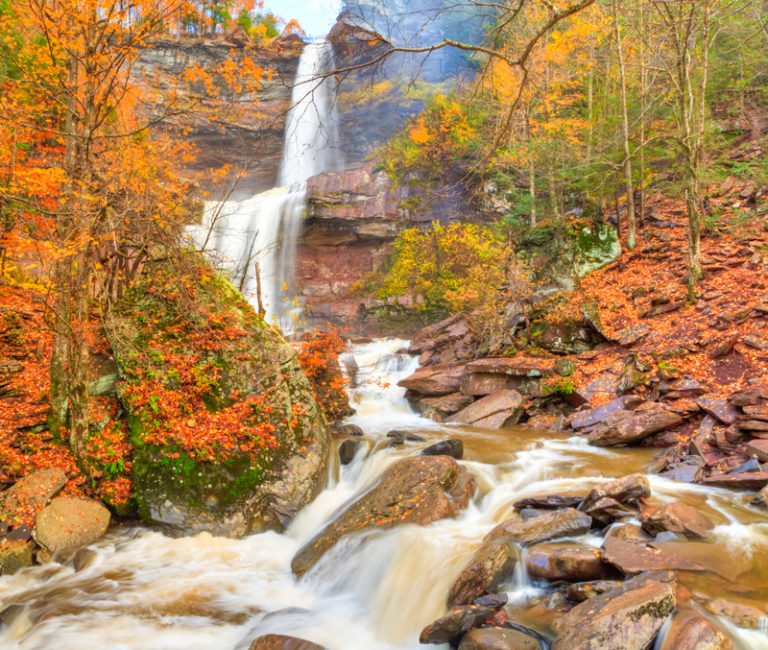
x=226, y=432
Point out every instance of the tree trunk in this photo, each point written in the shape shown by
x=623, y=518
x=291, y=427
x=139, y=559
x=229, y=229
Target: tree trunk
x=628, y=180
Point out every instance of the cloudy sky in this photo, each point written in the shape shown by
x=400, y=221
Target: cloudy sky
x=315, y=16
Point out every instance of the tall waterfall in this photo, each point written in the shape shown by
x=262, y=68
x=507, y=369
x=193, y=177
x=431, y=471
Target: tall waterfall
x=256, y=238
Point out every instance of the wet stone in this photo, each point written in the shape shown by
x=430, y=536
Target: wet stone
x=581, y=591
x=348, y=450
x=676, y=518
x=571, y=564
x=552, y=502
x=452, y=447
x=456, y=622
x=498, y=638
x=632, y=558
x=690, y=630
x=549, y=526
x=281, y=642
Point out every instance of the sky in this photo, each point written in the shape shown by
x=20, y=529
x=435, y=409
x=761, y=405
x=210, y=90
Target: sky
x=315, y=16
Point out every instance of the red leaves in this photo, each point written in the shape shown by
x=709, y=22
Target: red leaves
x=319, y=358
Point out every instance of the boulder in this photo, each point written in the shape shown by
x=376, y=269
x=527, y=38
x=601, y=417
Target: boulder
x=458, y=620
x=581, y=591
x=748, y=481
x=452, y=447
x=398, y=437
x=441, y=408
x=690, y=630
x=551, y=525
x=626, y=618
x=612, y=500
x=572, y=564
x=628, y=533
x=630, y=427
x=349, y=430
x=489, y=567
x=435, y=381
x=70, y=522
x=348, y=450
x=496, y=411
x=14, y=555
x=676, y=518
x=281, y=642
x=230, y=467
x=20, y=503
x=498, y=638
x=632, y=558
x=417, y=490
x=480, y=384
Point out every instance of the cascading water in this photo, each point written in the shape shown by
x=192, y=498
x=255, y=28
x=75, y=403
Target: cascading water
x=140, y=589
x=256, y=238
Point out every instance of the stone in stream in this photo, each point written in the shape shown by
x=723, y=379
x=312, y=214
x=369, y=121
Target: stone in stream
x=398, y=437
x=546, y=527
x=498, y=638
x=20, y=503
x=550, y=502
x=626, y=618
x=349, y=430
x=617, y=498
x=496, y=411
x=632, y=558
x=417, y=490
x=487, y=569
x=452, y=447
x=571, y=564
x=630, y=427
x=628, y=533
x=762, y=498
x=70, y=522
x=348, y=450
x=281, y=642
x=14, y=555
x=456, y=622
x=690, y=630
x=581, y=591
x=749, y=616
x=435, y=381
x=676, y=518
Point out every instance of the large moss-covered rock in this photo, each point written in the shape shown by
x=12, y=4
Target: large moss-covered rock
x=227, y=435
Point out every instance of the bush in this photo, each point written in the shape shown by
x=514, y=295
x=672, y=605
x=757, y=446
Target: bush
x=319, y=358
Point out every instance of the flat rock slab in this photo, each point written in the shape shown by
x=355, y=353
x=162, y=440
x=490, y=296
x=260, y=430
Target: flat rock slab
x=748, y=481
x=552, y=502
x=510, y=367
x=498, y=638
x=497, y=410
x=591, y=417
x=632, y=558
x=626, y=618
x=630, y=427
x=439, y=408
x=417, y=490
x=70, y=522
x=435, y=381
x=544, y=528
x=718, y=408
x=20, y=503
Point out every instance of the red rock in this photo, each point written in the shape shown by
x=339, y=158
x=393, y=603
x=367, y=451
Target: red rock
x=718, y=408
x=631, y=427
x=676, y=518
x=758, y=448
x=692, y=631
x=756, y=412
x=441, y=408
x=632, y=558
x=749, y=481
x=435, y=381
x=573, y=564
x=496, y=411
x=591, y=417
x=510, y=367
x=479, y=384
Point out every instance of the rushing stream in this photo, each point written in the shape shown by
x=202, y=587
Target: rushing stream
x=141, y=589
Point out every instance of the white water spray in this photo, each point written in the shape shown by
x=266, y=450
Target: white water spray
x=256, y=238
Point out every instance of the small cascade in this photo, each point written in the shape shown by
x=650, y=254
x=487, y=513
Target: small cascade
x=256, y=238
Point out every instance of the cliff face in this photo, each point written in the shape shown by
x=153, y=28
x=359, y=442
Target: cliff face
x=250, y=134
x=352, y=219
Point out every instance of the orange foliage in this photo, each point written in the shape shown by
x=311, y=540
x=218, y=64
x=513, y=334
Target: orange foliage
x=319, y=358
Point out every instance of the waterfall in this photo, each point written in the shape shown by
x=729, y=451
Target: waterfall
x=256, y=238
